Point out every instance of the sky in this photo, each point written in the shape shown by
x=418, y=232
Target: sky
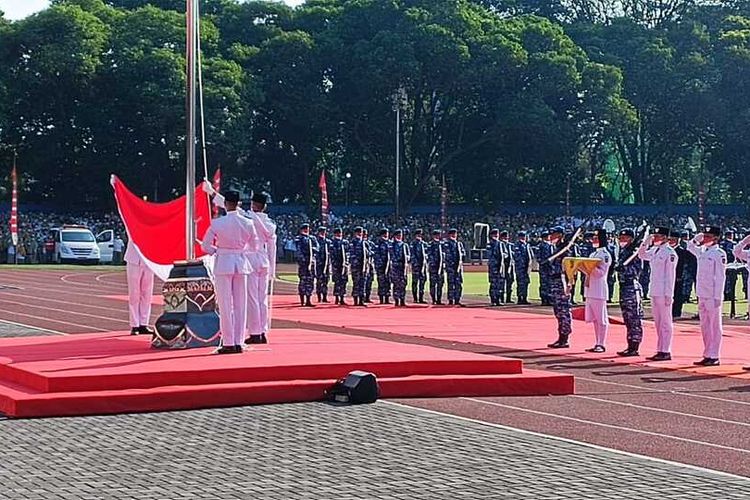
x=18, y=9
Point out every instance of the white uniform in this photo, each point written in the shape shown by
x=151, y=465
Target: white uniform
x=261, y=252
x=227, y=238
x=140, y=287
x=709, y=286
x=663, y=259
x=597, y=293
x=743, y=254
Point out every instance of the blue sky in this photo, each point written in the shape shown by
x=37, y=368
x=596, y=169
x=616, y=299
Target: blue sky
x=18, y=9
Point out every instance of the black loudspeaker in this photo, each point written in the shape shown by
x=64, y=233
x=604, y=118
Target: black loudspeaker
x=481, y=235
x=356, y=388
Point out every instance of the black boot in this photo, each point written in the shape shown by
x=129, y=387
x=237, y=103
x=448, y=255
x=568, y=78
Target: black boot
x=387, y=300
x=308, y=302
x=561, y=343
x=342, y=301
x=301, y=300
x=325, y=297
x=421, y=299
x=380, y=299
x=319, y=298
x=415, y=296
x=632, y=349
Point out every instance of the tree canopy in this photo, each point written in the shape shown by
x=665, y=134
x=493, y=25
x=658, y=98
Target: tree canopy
x=508, y=100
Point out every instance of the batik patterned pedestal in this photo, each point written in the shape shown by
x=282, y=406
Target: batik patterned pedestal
x=189, y=319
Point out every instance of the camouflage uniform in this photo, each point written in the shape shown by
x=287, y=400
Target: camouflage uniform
x=322, y=267
x=645, y=278
x=730, y=285
x=399, y=259
x=383, y=268
x=436, y=267
x=454, y=259
x=557, y=281
x=306, y=249
x=630, y=293
x=358, y=261
x=509, y=271
x=495, y=272
x=522, y=255
x=418, y=254
x=339, y=267
x=369, y=268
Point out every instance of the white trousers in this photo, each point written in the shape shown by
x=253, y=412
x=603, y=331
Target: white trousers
x=140, y=290
x=231, y=295
x=596, y=313
x=662, y=310
x=710, y=327
x=257, y=302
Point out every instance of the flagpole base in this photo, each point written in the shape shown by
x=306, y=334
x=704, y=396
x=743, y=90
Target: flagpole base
x=189, y=319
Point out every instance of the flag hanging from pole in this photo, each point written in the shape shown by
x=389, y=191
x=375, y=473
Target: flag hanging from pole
x=444, y=207
x=323, y=198
x=14, y=206
x=216, y=183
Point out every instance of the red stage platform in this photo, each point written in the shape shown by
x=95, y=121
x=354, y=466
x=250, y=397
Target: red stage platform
x=118, y=373
x=512, y=329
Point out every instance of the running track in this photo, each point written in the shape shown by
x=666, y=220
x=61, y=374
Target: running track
x=696, y=419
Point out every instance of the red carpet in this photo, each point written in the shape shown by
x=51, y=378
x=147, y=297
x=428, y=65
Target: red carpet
x=521, y=330
x=116, y=372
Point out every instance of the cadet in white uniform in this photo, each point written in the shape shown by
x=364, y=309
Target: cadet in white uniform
x=663, y=259
x=742, y=253
x=228, y=239
x=140, y=290
x=597, y=291
x=709, y=285
x=261, y=252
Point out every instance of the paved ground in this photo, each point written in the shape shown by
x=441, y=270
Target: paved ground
x=325, y=452
x=699, y=420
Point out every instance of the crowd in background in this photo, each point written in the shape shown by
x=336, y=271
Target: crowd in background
x=35, y=227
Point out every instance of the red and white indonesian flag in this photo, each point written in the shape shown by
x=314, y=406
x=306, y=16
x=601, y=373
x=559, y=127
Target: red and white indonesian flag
x=323, y=198
x=14, y=208
x=157, y=230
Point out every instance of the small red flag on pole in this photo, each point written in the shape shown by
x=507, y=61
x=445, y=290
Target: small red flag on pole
x=216, y=183
x=14, y=206
x=323, y=198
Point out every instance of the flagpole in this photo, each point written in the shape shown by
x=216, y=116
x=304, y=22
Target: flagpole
x=191, y=25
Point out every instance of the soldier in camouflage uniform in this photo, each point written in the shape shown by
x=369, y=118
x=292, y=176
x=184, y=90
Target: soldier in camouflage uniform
x=306, y=249
x=454, y=267
x=523, y=256
x=359, y=262
x=322, y=265
x=730, y=285
x=509, y=267
x=436, y=265
x=399, y=260
x=495, y=268
x=550, y=264
x=629, y=269
x=370, y=268
x=383, y=267
x=418, y=253
x=543, y=277
x=339, y=265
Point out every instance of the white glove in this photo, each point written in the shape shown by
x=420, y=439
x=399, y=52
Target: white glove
x=208, y=188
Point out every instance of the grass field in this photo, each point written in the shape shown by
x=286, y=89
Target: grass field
x=476, y=284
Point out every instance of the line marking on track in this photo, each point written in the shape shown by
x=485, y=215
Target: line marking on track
x=661, y=410
x=668, y=391
x=106, y=318
x=568, y=440
x=49, y=320
x=33, y=327
x=608, y=426
x=68, y=302
x=89, y=285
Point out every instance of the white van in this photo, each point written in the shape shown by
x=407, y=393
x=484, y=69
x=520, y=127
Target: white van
x=77, y=245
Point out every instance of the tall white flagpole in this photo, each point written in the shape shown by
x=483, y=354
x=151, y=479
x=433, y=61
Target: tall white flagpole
x=192, y=18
